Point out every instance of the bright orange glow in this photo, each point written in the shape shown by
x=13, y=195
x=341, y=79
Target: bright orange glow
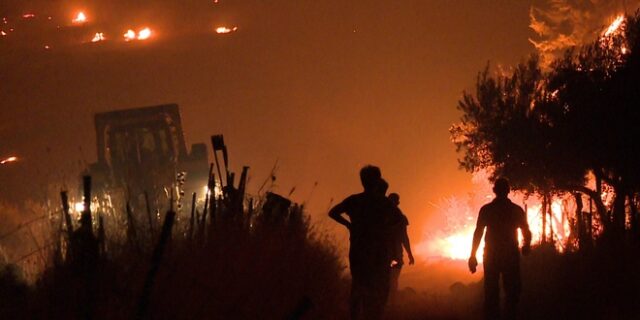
x=99, y=36
x=9, y=159
x=454, y=240
x=223, y=30
x=80, y=18
x=28, y=15
x=457, y=246
x=3, y=33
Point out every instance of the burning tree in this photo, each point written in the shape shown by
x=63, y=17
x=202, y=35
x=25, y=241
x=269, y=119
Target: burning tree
x=549, y=131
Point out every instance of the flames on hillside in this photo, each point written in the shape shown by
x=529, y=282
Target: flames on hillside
x=84, y=27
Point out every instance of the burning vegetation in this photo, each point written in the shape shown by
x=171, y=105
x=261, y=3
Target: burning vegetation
x=57, y=29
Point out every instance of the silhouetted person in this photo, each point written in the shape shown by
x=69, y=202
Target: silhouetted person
x=501, y=218
x=370, y=214
x=399, y=239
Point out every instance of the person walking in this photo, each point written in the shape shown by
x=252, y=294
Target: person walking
x=399, y=240
x=501, y=218
x=370, y=216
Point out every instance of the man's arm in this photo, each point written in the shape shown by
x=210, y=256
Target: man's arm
x=336, y=214
x=407, y=245
x=477, y=237
x=526, y=233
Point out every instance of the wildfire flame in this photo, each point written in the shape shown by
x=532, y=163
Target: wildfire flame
x=9, y=159
x=455, y=240
x=458, y=245
x=80, y=18
x=608, y=39
x=614, y=26
x=99, y=36
x=223, y=29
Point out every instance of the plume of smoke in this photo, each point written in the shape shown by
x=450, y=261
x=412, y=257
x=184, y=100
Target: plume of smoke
x=563, y=24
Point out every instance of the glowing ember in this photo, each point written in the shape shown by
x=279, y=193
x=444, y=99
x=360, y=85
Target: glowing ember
x=80, y=18
x=3, y=33
x=99, y=36
x=144, y=34
x=223, y=30
x=28, y=15
x=47, y=47
x=614, y=26
x=9, y=159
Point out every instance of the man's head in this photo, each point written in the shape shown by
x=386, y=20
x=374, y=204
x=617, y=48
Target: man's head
x=501, y=187
x=370, y=177
x=395, y=198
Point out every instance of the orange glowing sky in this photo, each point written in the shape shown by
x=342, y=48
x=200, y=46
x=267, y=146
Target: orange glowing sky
x=323, y=87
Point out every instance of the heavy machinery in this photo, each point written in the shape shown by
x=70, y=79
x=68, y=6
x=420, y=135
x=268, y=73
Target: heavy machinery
x=142, y=151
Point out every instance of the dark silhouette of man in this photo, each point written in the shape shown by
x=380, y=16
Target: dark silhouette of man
x=502, y=219
x=399, y=239
x=370, y=214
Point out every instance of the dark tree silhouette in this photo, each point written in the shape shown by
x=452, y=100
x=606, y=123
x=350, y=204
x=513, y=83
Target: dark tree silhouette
x=547, y=130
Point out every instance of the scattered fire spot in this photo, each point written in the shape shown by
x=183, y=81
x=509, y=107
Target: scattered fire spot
x=9, y=159
x=99, y=36
x=80, y=18
x=142, y=34
x=223, y=29
x=129, y=35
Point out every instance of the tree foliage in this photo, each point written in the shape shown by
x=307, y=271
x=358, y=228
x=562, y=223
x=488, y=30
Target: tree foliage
x=546, y=130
